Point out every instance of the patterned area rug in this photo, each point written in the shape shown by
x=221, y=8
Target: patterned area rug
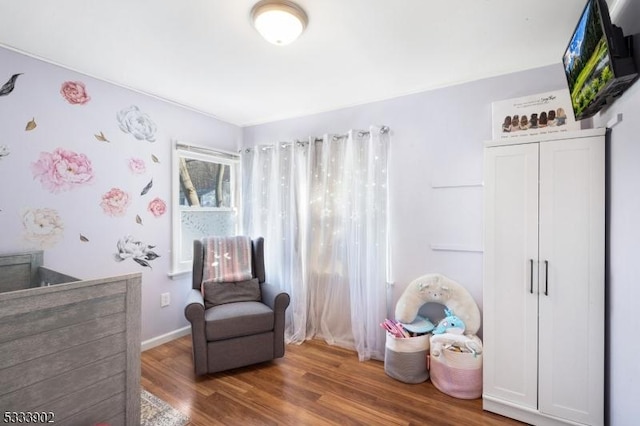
x=156, y=412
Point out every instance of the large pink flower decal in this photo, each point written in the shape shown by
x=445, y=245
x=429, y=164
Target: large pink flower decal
x=115, y=202
x=75, y=92
x=157, y=207
x=62, y=170
x=43, y=227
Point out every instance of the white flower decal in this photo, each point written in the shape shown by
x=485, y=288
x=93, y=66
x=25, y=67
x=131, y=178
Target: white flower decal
x=137, y=123
x=42, y=226
x=129, y=248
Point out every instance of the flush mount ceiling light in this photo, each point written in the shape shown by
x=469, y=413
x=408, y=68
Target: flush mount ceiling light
x=279, y=21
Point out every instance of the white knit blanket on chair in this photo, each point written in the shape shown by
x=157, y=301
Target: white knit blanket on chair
x=226, y=259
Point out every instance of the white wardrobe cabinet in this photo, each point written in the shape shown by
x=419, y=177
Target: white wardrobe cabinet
x=543, y=297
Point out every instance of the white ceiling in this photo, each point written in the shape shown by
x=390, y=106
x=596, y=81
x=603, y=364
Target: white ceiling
x=205, y=54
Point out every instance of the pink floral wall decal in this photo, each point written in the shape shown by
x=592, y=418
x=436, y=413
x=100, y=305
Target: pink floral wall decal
x=115, y=202
x=137, y=166
x=130, y=248
x=43, y=227
x=75, y=92
x=137, y=123
x=157, y=207
x=62, y=170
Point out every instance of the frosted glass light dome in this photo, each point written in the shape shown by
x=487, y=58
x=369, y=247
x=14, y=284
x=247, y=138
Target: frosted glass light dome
x=279, y=22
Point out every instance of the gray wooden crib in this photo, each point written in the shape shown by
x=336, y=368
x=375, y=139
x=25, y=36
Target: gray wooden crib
x=69, y=349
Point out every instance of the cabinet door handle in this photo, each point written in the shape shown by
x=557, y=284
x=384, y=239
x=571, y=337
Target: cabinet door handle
x=531, y=276
x=546, y=277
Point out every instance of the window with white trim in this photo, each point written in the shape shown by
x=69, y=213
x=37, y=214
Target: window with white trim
x=205, y=199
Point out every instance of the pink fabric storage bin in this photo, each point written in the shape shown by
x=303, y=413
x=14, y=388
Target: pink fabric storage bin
x=458, y=374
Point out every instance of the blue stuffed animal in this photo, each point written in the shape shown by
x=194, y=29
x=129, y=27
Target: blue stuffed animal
x=449, y=324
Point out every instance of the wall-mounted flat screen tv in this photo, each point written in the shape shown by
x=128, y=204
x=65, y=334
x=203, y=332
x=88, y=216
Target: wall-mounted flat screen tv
x=598, y=61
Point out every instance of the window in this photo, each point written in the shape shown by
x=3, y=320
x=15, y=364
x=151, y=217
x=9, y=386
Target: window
x=205, y=199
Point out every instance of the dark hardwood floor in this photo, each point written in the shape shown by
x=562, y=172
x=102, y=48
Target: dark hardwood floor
x=314, y=384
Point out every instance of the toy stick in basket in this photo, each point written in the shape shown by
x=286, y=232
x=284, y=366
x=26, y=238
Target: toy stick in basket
x=394, y=328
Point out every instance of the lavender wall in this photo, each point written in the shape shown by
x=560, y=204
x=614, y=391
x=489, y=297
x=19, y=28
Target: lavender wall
x=79, y=216
x=623, y=274
x=436, y=140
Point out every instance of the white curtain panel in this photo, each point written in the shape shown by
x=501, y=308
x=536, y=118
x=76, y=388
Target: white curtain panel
x=322, y=208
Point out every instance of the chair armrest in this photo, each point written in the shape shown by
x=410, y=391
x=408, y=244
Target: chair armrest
x=194, y=310
x=274, y=297
x=277, y=300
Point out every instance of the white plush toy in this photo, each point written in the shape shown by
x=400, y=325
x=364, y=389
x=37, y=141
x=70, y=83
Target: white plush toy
x=438, y=341
x=439, y=289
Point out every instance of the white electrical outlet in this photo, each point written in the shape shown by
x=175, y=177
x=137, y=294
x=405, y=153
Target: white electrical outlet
x=165, y=299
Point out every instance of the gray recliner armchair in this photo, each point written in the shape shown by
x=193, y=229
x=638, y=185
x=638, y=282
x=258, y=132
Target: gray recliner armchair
x=238, y=333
